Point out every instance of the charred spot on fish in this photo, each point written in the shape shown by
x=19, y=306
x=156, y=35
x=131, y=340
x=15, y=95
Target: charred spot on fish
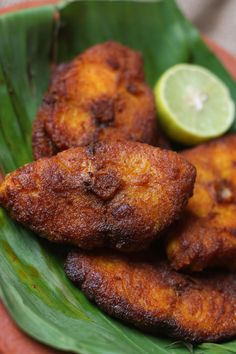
x=212, y=215
x=90, y=149
x=102, y=111
x=122, y=211
x=233, y=231
x=104, y=184
x=49, y=100
x=133, y=89
x=180, y=288
x=113, y=63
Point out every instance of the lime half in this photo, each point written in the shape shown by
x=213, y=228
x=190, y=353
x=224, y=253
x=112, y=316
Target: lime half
x=193, y=104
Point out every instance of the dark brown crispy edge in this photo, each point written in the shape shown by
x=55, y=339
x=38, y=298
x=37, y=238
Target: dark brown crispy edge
x=89, y=282
x=42, y=145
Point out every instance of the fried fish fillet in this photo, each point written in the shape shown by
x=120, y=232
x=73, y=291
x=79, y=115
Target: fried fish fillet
x=146, y=292
x=114, y=194
x=101, y=94
x=206, y=234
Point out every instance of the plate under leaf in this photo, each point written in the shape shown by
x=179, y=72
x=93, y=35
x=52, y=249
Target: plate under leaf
x=33, y=286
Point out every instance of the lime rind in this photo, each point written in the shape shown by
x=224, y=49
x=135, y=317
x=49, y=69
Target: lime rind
x=185, y=132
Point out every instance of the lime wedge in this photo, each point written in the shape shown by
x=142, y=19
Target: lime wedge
x=193, y=104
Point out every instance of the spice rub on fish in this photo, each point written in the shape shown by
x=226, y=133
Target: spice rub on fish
x=101, y=94
x=115, y=194
x=146, y=292
x=206, y=234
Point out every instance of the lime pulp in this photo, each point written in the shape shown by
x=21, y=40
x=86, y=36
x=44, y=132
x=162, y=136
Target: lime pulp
x=193, y=104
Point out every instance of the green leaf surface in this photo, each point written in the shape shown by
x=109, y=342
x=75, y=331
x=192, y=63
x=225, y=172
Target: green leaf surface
x=33, y=286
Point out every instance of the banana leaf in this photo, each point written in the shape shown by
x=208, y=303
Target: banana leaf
x=32, y=284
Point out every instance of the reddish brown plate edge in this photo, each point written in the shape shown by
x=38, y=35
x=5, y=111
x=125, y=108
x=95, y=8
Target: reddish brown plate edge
x=26, y=5
x=225, y=57
x=12, y=339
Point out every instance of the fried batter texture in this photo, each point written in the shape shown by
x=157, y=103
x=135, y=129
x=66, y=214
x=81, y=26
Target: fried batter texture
x=206, y=234
x=146, y=292
x=101, y=94
x=116, y=194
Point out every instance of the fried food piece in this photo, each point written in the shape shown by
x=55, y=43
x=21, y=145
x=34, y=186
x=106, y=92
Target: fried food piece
x=42, y=144
x=144, y=291
x=116, y=194
x=101, y=94
x=205, y=236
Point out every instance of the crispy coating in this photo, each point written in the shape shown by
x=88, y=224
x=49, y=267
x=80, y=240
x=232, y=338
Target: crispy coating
x=114, y=194
x=144, y=291
x=206, y=234
x=101, y=94
x=41, y=141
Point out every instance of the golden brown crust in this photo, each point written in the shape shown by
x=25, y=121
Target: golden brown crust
x=146, y=292
x=101, y=94
x=116, y=194
x=205, y=236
